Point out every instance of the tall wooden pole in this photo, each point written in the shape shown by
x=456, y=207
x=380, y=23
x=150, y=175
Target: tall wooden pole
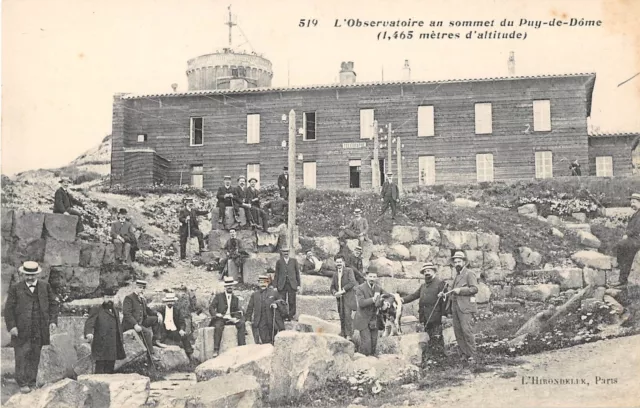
x=399, y=161
x=375, y=166
x=291, y=225
x=389, y=149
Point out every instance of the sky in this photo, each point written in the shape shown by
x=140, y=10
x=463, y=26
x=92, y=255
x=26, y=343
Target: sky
x=62, y=60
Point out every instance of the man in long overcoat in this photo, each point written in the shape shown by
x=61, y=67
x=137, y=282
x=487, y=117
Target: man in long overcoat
x=463, y=305
x=342, y=285
x=390, y=196
x=174, y=325
x=288, y=280
x=138, y=316
x=189, y=228
x=369, y=300
x=63, y=203
x=225, y=310
x=265, y=308
x=30, y=314
x=102, y=329
x=628, y=247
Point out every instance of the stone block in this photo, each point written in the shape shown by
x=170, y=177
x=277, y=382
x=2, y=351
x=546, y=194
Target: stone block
x=117, y=390
x=589, y=240
x=398, y=252
x=491, y=260
x=591, y=259
x=634, y=274
x=133, y=347
x=578, y=227
x=6, y=244
x=266, y=241
x=459, y=240
x=248, y=239
x=74, y=327
x=423, y=253
x=22, y=251
x=324, y=307
x=203, y=348
x=484, y=293
x=596, y=277
x=475, y=259
x=315, y=285
x=8, y=361
x=61, y=227
x=171, y=358
x=488, y=242
x=529, y=257
x=410, y=270
x=85, y=364
x=389, y=369
x=557, y=233
x=430, y=236
x=500, y=292
x=65, y=393
x=465, y=203
x=379, y=251
x=230, y=337
x=497, y=275
x=109, y=254
x=217, y=239
x=528, y=210
x=28, y=226
x=539, y=293
x=6, y=219
x=403, y=287
x=253, y=360
x=232, y=390
x=386, y=267
x=328, y=245
x=92, y=254
x=555, y=220
x=582, y=217
x=61, y=252
x=257, y=264
x=445, y=272
x=57, y=360
x=403, y=234
x=85, y=281
x=313, y=324
x=567, y=278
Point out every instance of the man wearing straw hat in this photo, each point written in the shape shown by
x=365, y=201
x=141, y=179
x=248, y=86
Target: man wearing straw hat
x=225, y=310
x=102, y=329
x=463, y=304
x=266, y=312
x=630, y=244
x=138, y=316
x=431, y=311
x=174, y=326
x=30, y=313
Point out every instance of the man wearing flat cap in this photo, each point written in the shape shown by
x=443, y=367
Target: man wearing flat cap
x=30, y=314
x=431, y=310
x=103, y=330
x=463, y=304
x=288, y=280
x=266, y=312
x=123, y=237
x=358, y=228
x=225, y=199
x=174, y=325
x=63, y=203
x=225, y=310
x=630, y=244
x=283, y=183
x=258, y=215
x=240, y=200
x=188, y=217
x=390, y=196
x=138, y=316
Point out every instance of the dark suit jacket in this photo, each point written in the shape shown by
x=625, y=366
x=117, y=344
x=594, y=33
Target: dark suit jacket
x=134, y=311
x=220, y=195
x=283, y=182
x=252, y=197
x=125, y=230
x=468, y=284
x=284, y=270
x=254, y=308
x=184, y=213
x=348, y=282
x=219, y=305
x=390, y=190
x=107, y=342
x=633, y=228
x=240, y=195
x=178, y=318
x=367, y=310
x=18, y=307
x=428, y=295
x=62, y=201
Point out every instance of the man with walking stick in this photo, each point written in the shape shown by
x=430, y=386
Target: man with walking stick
x=188, y=218
x=463, y=305
x=342, y=286
x=431, y=311
x=266, y=312
x=138, y=316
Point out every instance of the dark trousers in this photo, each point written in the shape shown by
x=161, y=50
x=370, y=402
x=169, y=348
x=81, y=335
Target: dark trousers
x=260, y=216
x=284, y=193
x=79, y=226
x=388, y=201
x=289, y=294
x=105, y=366
x=184, y=235
x=626, y=251
x=150, y=331
x=27, y=361
x=222, y=210
x=436, y=340
x=346, y=321
x=463, y=330
x=368, y=341
x=218, y=328
x=174, y=335
x=264, y=333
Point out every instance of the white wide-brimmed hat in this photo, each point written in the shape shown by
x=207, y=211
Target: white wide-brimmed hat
x=30, y=268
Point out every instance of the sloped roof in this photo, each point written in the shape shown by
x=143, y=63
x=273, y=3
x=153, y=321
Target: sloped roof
x=614, y=134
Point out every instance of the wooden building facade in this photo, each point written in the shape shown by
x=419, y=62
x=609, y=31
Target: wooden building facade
x=614, y=154
x=461, y=131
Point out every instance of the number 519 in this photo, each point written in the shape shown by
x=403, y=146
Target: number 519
x=308, y=23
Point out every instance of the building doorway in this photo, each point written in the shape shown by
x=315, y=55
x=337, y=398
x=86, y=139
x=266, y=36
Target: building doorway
x=354, y=173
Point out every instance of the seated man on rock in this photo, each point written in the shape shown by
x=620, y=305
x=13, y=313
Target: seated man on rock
x=63, y=203
x=266, y=312
x=123, y=237
x=357, y=228
x=628, y=247
x=314, y=266
x=225, y=310
x=174, y=325
x=138, y=316
x=234, y=252
x=278, y=209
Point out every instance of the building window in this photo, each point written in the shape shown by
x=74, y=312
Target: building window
x=142, y=137
x=483, y=119
x=484, y=167
x=253, y=128
x=427, y=170
x=425, y=121
x=197, y=131
x=234, y=72
x=309, y=174
x=253, y=170
x=366, y=123
x=354, y=173
x=309, y=125
x=604, y=166
x=541, y=116
x=544, y=165
x=197, y=175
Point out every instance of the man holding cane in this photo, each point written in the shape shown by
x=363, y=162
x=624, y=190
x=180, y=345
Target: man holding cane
x=225, y=310
x=342, y=286
x=369, y=300
x=463, y=305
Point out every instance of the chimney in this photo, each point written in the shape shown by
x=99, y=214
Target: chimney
x=174, y=87
x=511, y=65
x=347, y=75
x=406, y=71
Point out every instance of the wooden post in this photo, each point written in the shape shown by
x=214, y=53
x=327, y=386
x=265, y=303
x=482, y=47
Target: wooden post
x=389, y=150
x=375, y=166
x=291, y=224
x=399, y=161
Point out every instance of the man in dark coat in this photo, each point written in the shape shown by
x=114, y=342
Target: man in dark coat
x=628, y=247
x=123, y=237
x=390, y=196
x=225, y=310
x=63, y=203
x=369, y=300
x=30, y=314
x=225, y=199
x=288, y=280
x=174, y=326
x=575, y=168
x=235, y=253
x=188, y=218
x=265, y=308
x=314, y=266
x=463, y=305
x=431, y=307
x=342, y=285
x=283, y=183
x=278, y=209
x=138, y=316
x=258, y=214
x=356, y=263
x=240, y=200
x=358, y=228
x=102, y=329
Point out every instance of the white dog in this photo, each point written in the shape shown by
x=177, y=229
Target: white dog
x=391, y=314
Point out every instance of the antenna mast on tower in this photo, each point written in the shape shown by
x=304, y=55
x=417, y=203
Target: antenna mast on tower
x=230, y=23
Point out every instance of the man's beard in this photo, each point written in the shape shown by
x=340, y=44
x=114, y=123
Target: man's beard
x=108, y=304
x=459, y=268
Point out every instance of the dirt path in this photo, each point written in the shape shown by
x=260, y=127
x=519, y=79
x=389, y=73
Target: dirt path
x=617, y=360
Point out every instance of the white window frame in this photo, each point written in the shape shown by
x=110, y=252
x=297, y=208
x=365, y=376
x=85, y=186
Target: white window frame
x=253, y=128
x=366, y=125
x=307, y=180
x=253, y=170
x=484, y=125
x=484, y=167
x=544, y=164
x=426, y=121
x=604, y=166
x=197, y=173
x=315, y=126
x=191, y=131
x=142, y=136
x=542, y=115
x=427, y=163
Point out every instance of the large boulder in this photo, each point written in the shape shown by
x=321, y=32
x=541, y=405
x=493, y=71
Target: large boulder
x=459, y=240
x=634, y=275
x=589, y=240
x=404, y=234
x=507, y=261
x=313, y=324
x=257, y=264
x=74, y=326
x=406, y=346
x=303, y=362
x=133, y=348
x=254, y=360
x=85, y=362
x=529, y=257
x=385, y=267
x=61, y=227
x=8, y=361
x=328, y=245
x=465, y=203
x=92, y=254
x=203, y=348
x=398, y=252
x=488, y=242
x=171, y=357
x=475, y=259
x=117, y=390
x=491, y=260
x=431, y=236
x=596, y=277
x=230, y=337
x=410, y=270
x=324, y=307
x=231, y=390
x=57, y=360
x=592, y=259
x=248, y=240
x=539, y=293
x=62, y=252
x=28, y=226
x=388, y=369
x=567, y=278
x=312, y=284
x=65, y=393
x=423, y=253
